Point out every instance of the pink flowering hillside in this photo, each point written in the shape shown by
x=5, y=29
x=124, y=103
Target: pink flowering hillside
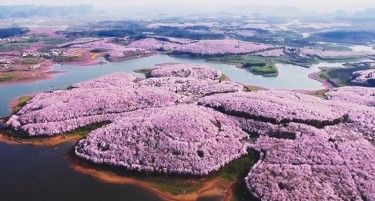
x=182, y=70
x=276, y=107
x=335, y=163
x=203, y=47
x=115, y=52
x=117, y=80
x=184, y=120
x=364, y=78
x=182, y=139
x=192, y=87
x=311, y=149
x=356, y=95
x=64, y=111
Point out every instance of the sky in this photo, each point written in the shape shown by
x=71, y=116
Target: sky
x=306, y=5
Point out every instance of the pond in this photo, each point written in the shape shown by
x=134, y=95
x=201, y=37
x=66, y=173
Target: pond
x=290, y=77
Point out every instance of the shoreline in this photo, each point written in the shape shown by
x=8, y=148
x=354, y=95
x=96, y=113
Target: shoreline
x=46, y=72
x=254, y=73
x=47, y=76
x=211, y=188
x=47, y=141
x=325, y=83
x=13, y=105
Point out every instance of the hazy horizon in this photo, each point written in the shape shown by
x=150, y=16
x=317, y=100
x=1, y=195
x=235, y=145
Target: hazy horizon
x=306, y=5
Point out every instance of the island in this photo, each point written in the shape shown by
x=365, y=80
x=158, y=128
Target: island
x=183, y=123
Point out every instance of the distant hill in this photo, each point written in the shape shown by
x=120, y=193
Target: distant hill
x=9, y=32
x=344, y=36
x=367, y=13
x=25, y=11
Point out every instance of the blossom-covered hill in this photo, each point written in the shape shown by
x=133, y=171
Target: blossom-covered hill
x=364, y=78
x=182, y=119
x=183, y=139
x=203, y=47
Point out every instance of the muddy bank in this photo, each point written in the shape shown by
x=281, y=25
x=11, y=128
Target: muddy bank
x=209, y=187
x=325, y=83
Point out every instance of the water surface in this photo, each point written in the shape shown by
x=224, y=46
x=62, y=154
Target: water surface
x=290, y=77
x=37, y=173
x=31, y=173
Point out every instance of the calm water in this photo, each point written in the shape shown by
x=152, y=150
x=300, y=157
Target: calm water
x=30, y=173
x=36, y=173
x=290, y=77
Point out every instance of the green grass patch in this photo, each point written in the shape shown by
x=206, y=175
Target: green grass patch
x=264, y=70
x=339, y=76
x=233, y=170
x=261, y=67
x=46, y=40
x=342, y=59
x=323, y=75
x=6, y=76
x=175, y=186
x=240, y=191
x=65, y=58
x=182, y=184
x=230, y=172
x=144, y=71
x=23, y=100
x=84, y=131
x=255, y=64
x=224, y=77
x=14, y=47
x=321, y=93
x=249, y=88
x=30, y=60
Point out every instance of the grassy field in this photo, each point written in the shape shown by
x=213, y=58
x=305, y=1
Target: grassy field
x=14, y=47
x=264, y=70
x=30, y=60
x=145, y=71
x=65, y=58
x=84, y=131
x=22, y=101
x=6, y=76
x=255, y=64
x=224, y=77
x=338, y=76
x=252, y=88
x=46, y=40
x=321, y=93
x=231, y=172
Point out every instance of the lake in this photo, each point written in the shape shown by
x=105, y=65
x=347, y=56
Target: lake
x=40, y=173
x=30, y=173
x=290, y=76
